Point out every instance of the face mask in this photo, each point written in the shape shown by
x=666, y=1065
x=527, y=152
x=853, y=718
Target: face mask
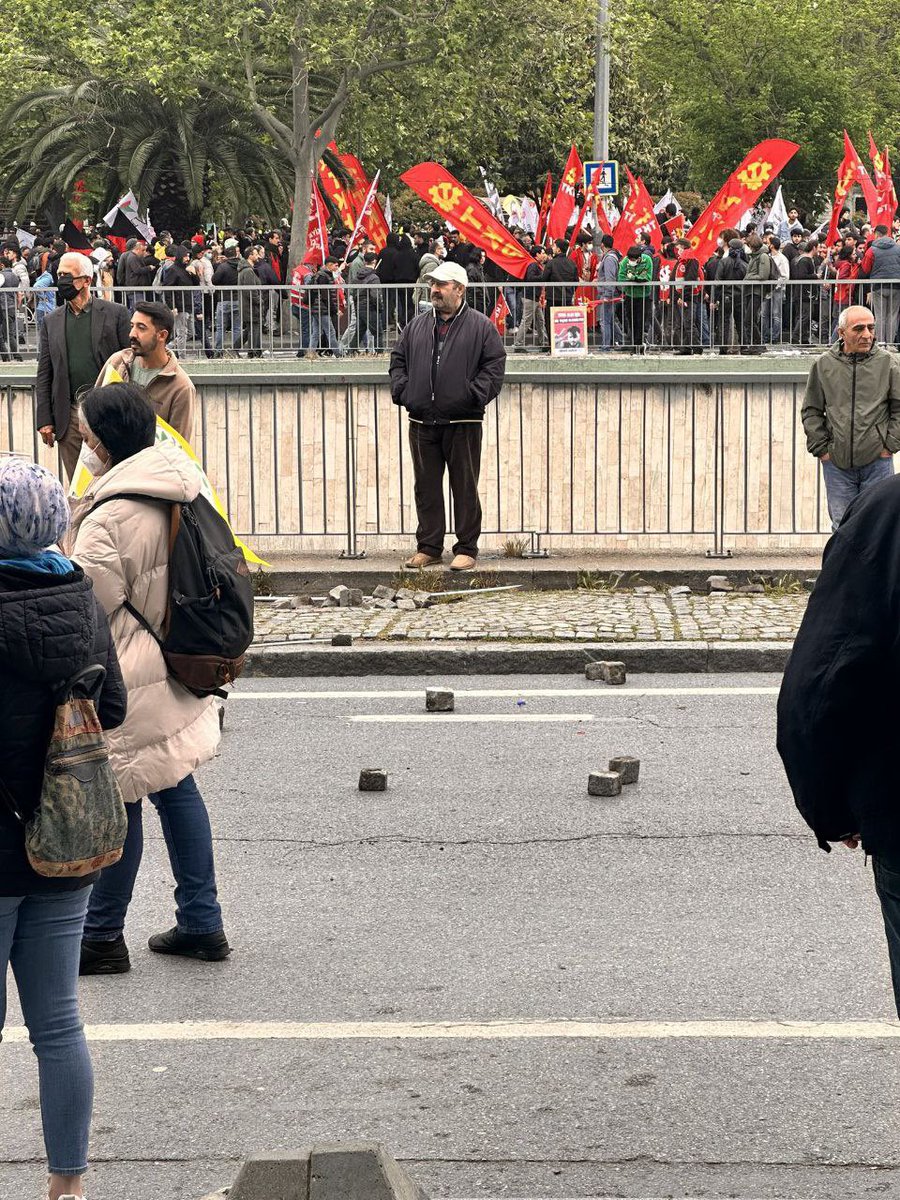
x=66, y=288
x=93, y=462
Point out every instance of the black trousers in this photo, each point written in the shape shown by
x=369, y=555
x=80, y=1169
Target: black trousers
x=458, y=448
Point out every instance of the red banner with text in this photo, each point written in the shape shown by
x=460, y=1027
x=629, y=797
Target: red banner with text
x=564, y=203
x=447, y=196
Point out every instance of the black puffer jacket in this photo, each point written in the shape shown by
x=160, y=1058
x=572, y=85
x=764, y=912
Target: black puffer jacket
x=51, y=627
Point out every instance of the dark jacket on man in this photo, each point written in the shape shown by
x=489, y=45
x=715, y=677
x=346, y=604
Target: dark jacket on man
x=851, y=409
x=51, y=627
x=139, y=272
x=882, y=261
x=839, y=707
x=560, y=269
x=110, y=332
x=459, y=385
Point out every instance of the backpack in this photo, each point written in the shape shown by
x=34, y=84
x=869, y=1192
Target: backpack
x=208, y=625
x=80, y=823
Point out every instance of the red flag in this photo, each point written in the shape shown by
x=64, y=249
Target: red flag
x=446, y=195
x=500, y=313
x=564, y=204
x=739, y=192
x=340, y=196
x=364, y=211
x=851, y=171
x=637, y=217
x=545, y=208
x=674, y=227
x=316, y=241
x=375, y=224
x=886, y=204
x=576, y=228
x=877, y=159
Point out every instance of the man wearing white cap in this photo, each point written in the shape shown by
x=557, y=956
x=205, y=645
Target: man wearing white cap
x=446, y=367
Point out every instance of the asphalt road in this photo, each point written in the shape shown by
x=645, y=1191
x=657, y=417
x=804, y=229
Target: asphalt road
x=486, y=886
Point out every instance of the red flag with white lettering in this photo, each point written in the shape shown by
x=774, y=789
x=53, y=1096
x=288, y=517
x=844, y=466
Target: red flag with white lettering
x=740, y=192
x=316, y=240
x=458, y=206
x=500, y=313
x=564, y=203
x=375, y=224
x=637, y=217
x=851, y=171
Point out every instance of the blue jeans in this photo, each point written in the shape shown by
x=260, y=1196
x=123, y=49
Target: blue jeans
x=40, y=937
x=228, y=313
x=188, y=837
x=842, y=485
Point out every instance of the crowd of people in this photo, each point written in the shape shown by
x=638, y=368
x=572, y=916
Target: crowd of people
x=233, y=292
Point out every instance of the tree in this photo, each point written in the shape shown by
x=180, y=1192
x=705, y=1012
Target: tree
x=131, y=137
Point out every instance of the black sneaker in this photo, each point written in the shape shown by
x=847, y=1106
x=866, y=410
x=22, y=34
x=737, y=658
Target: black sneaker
x=104, y=958
x=208, y=947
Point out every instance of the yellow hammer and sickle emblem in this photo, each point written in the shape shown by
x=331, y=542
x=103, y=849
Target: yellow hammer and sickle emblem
x=445, y=196
x=756, y=175
x=570, y=176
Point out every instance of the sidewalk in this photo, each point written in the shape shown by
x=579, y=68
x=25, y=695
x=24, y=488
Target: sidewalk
x=534, y=630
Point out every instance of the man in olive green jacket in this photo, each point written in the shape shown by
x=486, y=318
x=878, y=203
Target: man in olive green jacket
x=851, y=411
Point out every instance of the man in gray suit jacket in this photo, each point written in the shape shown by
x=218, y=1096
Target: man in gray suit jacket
x=78, y=338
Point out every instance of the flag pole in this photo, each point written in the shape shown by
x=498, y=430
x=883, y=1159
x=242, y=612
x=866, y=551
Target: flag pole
x=601, y=83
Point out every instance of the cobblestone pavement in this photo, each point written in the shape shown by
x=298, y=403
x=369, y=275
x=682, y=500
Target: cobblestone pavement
x=578, y=615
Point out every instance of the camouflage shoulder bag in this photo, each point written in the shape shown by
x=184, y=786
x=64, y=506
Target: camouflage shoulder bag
x=80, y=823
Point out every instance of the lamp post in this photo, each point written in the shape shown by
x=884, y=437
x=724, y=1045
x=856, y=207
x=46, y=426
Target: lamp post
x=601, y=84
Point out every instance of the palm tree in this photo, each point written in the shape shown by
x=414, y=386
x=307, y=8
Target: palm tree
x=168, y=152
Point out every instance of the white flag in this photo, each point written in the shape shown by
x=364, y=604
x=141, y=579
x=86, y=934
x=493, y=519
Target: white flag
x=777, y=214
x=388, y=215
x=25, y=239
x=530, y=215
x=129, y=206
x=493, y=196
x=668, y=198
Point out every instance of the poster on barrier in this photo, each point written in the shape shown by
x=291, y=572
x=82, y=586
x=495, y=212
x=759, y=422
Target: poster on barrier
x=568, y=327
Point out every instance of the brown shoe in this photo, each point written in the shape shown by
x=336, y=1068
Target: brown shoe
x=421, y=560
x=463, y=562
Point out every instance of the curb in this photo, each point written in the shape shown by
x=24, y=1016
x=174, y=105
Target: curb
x=496, y=658
x=304, y=581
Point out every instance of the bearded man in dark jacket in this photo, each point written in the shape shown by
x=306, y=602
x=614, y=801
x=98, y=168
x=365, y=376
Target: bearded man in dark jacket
x=445, y=368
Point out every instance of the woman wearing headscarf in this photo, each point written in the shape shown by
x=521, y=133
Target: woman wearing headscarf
x=51, y=627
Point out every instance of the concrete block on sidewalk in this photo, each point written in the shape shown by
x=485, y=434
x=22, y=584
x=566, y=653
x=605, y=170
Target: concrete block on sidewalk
x=356, y=597
x=605, y=672
x=438, y=700
x=359, y=1171
x=604, y=783
x=629, y=768
x=372, y=779
x=383, y=592
x=279, y=1175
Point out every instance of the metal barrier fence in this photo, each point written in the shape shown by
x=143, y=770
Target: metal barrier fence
x=313, y=465
x=351, y=319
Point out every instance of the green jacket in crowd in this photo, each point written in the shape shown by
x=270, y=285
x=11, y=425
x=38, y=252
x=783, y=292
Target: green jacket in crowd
x=635, y=274
x=851, y=409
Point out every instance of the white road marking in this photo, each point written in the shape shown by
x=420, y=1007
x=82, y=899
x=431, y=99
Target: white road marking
x=521, y=718
x=332, y=1031
x=611, y=693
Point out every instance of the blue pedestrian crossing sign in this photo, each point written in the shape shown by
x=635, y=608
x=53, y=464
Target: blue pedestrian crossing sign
x=607, y=177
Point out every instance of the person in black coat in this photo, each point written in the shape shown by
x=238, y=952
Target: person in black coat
x=839, y=707
x=51, y=627
x=559, y=270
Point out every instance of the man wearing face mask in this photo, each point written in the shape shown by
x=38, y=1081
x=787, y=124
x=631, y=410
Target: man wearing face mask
x=150, y=363
x=78, y=337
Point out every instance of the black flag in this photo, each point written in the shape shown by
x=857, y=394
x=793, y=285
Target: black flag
x=74, y=238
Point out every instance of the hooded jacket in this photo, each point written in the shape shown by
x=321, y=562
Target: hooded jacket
x=839, y=707
x=851, y=409
x=458, y=386
x=123, y=545
x=51, y=627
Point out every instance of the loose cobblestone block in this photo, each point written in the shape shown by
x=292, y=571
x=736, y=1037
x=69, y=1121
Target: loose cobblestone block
x=628, y=768
x=645, y=591
x=720, y=583
x=438, y=700
x=681, y=590
x=404, y=594
x=383, y=592
x=604, y=783
x=372, y=779
x=422, y=599
x=605, y=672
x=340, y=595
x=405, y=605
x=592, y=671
x=753, y=589
x=318, y=601
x=342, y=639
